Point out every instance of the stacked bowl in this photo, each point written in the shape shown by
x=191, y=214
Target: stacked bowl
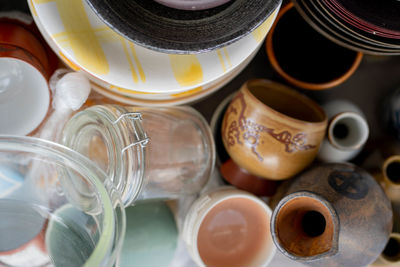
x=158, y=56
x=371, y=27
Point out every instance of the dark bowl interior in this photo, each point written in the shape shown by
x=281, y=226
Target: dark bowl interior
x=305, y=54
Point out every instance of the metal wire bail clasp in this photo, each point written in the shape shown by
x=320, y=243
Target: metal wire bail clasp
x=140, y=134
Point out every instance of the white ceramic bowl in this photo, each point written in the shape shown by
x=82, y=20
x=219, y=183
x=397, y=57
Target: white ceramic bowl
x=85, y=43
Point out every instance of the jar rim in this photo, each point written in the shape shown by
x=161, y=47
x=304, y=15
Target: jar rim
x=122, y=134
x=110, y=241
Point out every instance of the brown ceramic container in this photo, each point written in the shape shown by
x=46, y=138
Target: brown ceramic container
x=230, y=171
x=390, y=256
x=332, y=215
x=384, y=164
x=305, y=58
x=271, y=130
x=389, y=177
x=26, y=43
x=242, y=179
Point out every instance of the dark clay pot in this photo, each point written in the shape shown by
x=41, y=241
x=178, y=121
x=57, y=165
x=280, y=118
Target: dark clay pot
x=332, y=215
x=391, y=108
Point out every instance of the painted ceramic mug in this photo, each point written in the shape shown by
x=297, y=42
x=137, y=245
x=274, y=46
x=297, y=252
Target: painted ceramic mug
x=271, y=130
x=305, y=58
x=230, y=171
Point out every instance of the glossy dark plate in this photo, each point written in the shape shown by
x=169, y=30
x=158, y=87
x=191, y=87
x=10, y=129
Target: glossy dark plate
x=174, y=31
x=338, y=12
x=324, y=26
x=362, y=35
x=382, y=15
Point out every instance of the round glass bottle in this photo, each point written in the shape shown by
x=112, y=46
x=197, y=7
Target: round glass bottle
x=148, y=153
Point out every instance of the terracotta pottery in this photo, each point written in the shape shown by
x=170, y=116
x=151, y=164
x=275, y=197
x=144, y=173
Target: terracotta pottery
x=391, y=254
x=26, y=21
x=242, y=179
x=271, y=130
x=230, y=171
x=332, y=215
x=384, y=164
x=346, y=134
x=17, y=36
x=304, y=57
x=24, y=93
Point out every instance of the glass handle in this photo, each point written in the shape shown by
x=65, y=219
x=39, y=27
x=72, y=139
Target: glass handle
x=142, y=143
x=130, y=115
x=140, y=134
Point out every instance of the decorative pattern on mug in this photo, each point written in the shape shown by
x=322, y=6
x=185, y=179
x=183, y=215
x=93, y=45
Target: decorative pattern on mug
x=251, y=131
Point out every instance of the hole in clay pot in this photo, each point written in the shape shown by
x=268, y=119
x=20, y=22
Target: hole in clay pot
x=392, y=250
x=313, y=223
x=340, y=131
x=393, y=172
x=305, y=227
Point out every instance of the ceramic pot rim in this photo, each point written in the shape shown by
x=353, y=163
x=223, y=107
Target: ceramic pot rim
x=20, y=37
x=305, y=85
x=386, y=163
x=287, y=91
x=335, y=220
x=199, y=218
x=29, y=50
x=384, y=259
x=339, y=116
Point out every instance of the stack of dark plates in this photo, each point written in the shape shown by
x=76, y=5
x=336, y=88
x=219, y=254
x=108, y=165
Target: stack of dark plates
x=189, y=28
x=369, y=26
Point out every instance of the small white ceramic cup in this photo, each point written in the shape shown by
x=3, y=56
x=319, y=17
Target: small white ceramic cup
x=347, y=132
x=203, y=205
